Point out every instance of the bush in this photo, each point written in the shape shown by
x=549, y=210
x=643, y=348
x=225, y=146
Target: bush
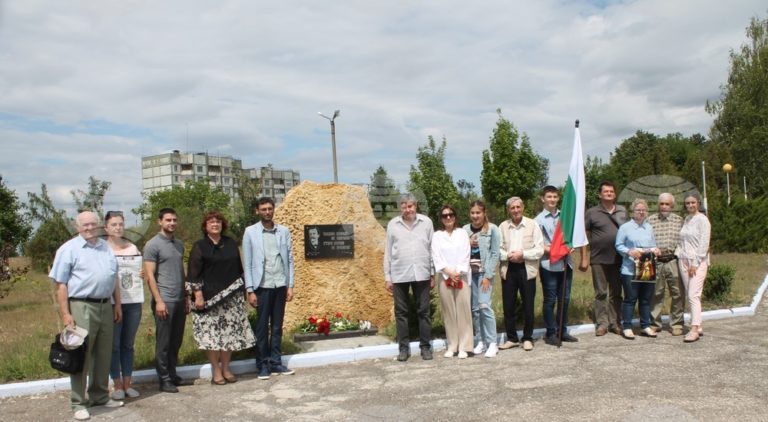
x=717, y=286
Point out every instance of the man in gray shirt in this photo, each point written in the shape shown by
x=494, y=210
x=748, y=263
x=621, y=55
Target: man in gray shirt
x=164, y=271
x=408, y=265
x=602, y=223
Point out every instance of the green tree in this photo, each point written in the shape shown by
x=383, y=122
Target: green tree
x=510, y=166
x=741, y=121
x=190, y=201
x=54, y=229
x=93, y=199
x=642, y=154
x=430, y=180
x=14, y=224
x=383, y=195
x=594, y=173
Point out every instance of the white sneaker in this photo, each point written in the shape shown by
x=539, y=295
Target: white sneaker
x=463, y=355
x=448, y=354
x=130, y=392
x=82, y=415
x=113, y=403
x=527, y=345
x=492, y=351
x=480, y=348
x=118, y=394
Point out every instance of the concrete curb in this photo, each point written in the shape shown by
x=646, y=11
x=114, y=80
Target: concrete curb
x=312, y=359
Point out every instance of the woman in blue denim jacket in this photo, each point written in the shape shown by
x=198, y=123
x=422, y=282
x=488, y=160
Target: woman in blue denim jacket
x=485, y=240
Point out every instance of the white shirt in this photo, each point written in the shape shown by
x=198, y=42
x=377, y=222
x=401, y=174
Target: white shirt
x=451, y=251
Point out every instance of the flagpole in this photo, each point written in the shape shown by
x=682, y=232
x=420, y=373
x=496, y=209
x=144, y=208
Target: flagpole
x=561, y=301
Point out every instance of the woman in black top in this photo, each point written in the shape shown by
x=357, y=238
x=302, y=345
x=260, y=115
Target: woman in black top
x=219, y=320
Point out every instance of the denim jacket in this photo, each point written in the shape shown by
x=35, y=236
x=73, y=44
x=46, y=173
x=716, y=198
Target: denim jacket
x=489, y=243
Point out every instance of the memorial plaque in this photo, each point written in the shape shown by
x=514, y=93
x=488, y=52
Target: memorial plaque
x=329, y=241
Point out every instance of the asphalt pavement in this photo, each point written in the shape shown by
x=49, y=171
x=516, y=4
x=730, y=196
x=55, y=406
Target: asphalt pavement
x=723, y=376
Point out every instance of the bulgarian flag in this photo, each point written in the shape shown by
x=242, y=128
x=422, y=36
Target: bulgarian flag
x=569, y=232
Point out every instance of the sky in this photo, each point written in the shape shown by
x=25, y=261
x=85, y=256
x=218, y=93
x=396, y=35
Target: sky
x=89, y=87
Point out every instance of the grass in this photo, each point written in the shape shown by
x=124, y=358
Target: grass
x=29, y=320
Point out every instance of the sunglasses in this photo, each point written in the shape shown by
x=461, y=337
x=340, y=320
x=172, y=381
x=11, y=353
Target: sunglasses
x=448, y=215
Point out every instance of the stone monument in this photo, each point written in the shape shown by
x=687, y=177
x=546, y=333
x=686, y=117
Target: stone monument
x=353, y=286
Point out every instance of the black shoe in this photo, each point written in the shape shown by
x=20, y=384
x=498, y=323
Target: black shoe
x=551, y=340
x=569, y=338
x=404, y=355
x=177, y=380
x=166, y=386
x=426, y=353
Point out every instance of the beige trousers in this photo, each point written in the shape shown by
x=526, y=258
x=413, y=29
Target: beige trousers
x=457, y=315
x=694, y=286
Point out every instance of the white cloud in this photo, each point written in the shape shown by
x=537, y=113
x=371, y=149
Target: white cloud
x=247, y=79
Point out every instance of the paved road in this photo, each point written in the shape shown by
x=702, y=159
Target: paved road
x=724, y=376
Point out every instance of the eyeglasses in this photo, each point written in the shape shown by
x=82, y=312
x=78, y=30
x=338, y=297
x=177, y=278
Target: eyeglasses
x=641, y=210
x=448, y=215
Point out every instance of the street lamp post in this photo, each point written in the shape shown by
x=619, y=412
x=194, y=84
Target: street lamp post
x=333, y=142
x=727, y=168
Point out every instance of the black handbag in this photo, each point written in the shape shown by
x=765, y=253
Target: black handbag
x=68, y=361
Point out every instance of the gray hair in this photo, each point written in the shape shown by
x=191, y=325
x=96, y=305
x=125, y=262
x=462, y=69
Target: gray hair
x=667, y=195
x=83, y=214
x=639, y=201
x=514, y=199
x=407, y=197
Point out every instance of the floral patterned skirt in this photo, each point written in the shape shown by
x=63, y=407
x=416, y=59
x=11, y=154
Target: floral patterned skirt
x=224, y=327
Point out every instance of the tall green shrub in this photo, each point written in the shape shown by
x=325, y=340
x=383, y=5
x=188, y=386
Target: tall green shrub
x=719, y=281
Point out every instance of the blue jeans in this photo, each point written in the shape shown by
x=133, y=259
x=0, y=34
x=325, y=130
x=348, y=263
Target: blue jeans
x=269, y=317
x=483, y=317
x=123, y=339
x=551, y=283
x=634, y=291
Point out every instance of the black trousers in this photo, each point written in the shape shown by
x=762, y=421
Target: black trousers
x=516, y=280
x=169, y=333
x=421, y=294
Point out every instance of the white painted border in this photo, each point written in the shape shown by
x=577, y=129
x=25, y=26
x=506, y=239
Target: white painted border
x=306, y=360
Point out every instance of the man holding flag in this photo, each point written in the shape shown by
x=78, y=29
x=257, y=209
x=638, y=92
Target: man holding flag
x=568, y=234
x=556, y=276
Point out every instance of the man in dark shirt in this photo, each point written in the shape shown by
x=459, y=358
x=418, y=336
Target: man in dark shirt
x=602, y=223
x=164, y=272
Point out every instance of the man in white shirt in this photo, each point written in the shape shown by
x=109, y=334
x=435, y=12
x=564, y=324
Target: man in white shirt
x=408, y=265
x=522, y=245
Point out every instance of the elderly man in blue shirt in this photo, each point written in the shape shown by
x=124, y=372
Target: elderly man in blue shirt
x=85, y=273
x=269, y=281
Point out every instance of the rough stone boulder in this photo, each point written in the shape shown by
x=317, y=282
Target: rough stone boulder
x=325, y=286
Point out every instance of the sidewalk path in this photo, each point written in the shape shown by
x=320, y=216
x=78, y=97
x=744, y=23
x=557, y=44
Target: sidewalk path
x=724, y=376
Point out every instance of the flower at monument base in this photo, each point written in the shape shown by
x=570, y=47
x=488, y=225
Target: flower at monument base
x=338, y=322
x=323, y=326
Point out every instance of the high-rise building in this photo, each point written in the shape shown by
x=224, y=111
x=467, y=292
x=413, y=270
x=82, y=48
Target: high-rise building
x=162, y=171
x=275, y=183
